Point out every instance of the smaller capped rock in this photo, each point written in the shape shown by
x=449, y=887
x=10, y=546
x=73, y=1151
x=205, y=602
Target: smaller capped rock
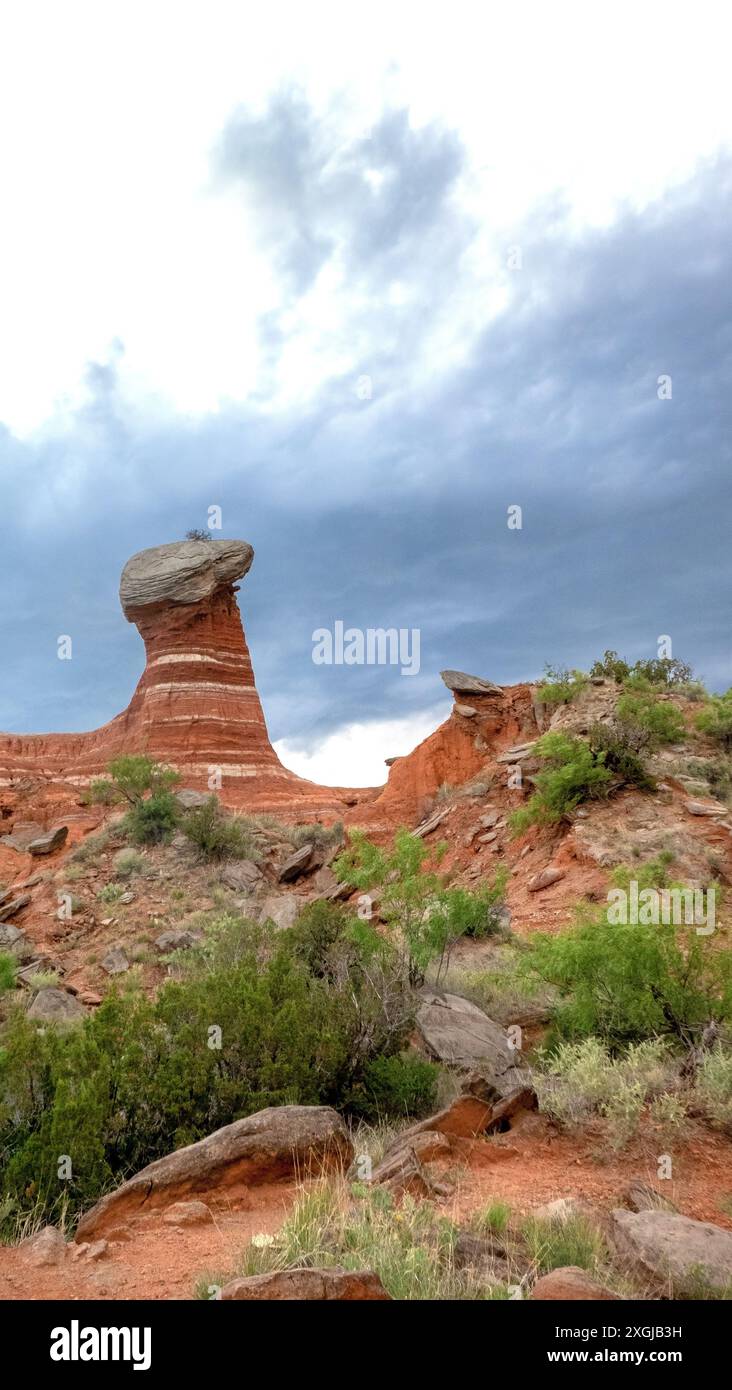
x=463, y=684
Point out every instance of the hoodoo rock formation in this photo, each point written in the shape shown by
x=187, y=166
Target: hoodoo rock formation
x=196, y=707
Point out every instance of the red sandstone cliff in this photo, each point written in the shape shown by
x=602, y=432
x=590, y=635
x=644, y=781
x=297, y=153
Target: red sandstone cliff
x=196, y=706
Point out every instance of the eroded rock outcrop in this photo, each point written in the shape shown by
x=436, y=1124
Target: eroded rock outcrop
x=275, y=1143
x=196, y=706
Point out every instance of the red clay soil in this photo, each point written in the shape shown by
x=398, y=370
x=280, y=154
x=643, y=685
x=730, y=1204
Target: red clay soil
x=530, y=1165
x=534, y=1164
x=159, y=1261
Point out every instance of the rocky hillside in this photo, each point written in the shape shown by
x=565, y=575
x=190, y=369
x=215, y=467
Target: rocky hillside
x=400, y=1063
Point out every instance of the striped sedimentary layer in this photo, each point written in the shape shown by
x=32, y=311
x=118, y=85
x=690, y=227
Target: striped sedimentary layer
x=196, y=706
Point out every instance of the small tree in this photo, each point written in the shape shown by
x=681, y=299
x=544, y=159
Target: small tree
x=573, y=773
x=197, y=535
x=623, y=983
x=662, y=721
x=423, y=916
x=716, y=719
x=217, y=836
x=560, y=685
x=134, y=776
x=612, y=667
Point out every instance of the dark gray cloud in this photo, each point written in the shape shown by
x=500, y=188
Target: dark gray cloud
x=392, y=511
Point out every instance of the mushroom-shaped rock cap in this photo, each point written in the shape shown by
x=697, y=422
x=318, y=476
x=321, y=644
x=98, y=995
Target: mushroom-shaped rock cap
x=184, y=572
x=463, y=684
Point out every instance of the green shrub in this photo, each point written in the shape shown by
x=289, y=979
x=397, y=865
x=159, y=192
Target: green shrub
x=43, y=979
x=110, y=893
x=423, y=916
x=135, y=776
x=493, y=1219
x=217, y=836
x=480, y=912
x=661, y=720
x=612, y=667
x=404, y=1084
x=621, y=744
x=152, y=822
x=411, y=1248
x=140, y=1077
x=570, y=1241
x=668, y=1113
x=102, y=792
x=8, y=969
x=574, y=774
x=714, y=1087
x=322, y=927
x=579, y=1080
x=716, y=719
x=627, y=983
x=325, y=836
x=560, y=686
x=507, y=991
x=665, y=671
x=129, y=862
x=90, y=849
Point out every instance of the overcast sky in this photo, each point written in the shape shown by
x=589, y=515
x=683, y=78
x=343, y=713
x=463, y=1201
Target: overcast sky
x=365, y=277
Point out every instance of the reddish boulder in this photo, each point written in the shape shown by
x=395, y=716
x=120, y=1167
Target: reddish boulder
x=272, y=1144
x=311, y=1285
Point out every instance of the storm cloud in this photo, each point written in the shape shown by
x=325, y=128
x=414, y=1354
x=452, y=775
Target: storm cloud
x=389, y=507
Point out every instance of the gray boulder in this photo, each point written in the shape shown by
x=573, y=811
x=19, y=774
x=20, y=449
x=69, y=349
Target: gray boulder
x=266, y=1147
x=188, y=799
x=177, y=939
x=51, y=841
x=56, y=1006
x=673, y=1249
x=460, y=1035
x=115, y=962
x=9, y=909
x=184, y=572
x=299, y=862
x=242, y=876
x=463, y=684
x=23, y=833
x=280, y=908
x=13, y=939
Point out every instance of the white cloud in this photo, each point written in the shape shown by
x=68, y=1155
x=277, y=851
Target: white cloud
x=112, y=229
x=354, y=754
